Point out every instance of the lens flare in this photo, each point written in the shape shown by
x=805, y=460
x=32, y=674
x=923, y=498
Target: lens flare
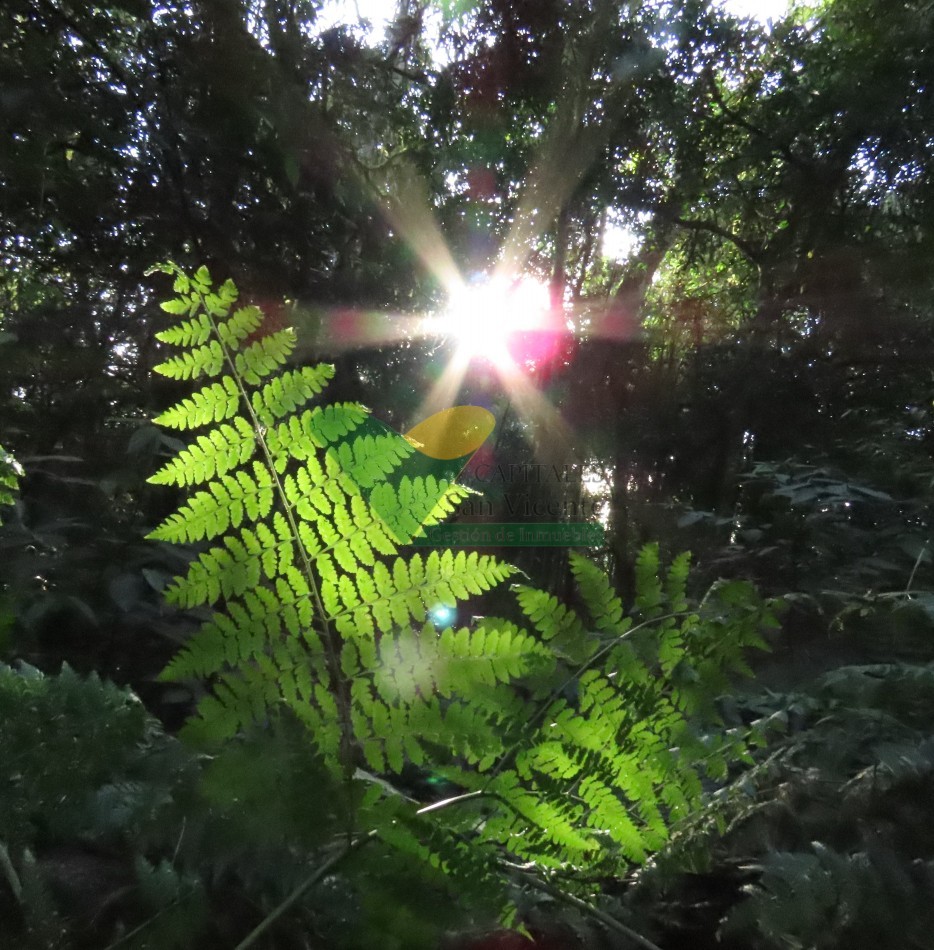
x=442, y=615
x=484, y=318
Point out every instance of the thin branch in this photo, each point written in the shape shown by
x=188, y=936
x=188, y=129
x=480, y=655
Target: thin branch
x=113, y=65
x=914, y=570
x=456, y=800
x=9, y=872
x=421, y=78
x=611, y=923
x=711, y=227
x=148, y=922
x=320, y=872
x=744, y=123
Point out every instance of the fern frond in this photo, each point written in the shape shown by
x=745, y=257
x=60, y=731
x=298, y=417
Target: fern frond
x=282, y=395
x=394, y=728
x=10, y=473
x=239, y=700
x=225, y=504
x=368, y=459
x=299, y=508
x=415, y=503
x=194, y=332
x=212, y=455
x=423, y=662
x=530, y=819
x=207, y=360
x=232, y=570
x=302, y=436
x=557, y=623
x=241, y=324
x=214, y=403
x=606, y=812
x=676, y=582
x=604, y=605
x=264, y=357
x=649, y=593
x=412, y=588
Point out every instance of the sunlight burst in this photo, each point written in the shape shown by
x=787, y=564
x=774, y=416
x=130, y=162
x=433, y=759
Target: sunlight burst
x=483, y=318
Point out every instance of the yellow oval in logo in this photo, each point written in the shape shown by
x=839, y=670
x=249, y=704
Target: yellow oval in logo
x=452, y=433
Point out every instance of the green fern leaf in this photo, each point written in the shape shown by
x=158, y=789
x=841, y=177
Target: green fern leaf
x=287, y=392
x=415, y=503
x=604, y=605
x=649, y=595
x=607, y=813
x=194, y=332
x=213, y=403
x=303, y=435
x=400, y=600
x=676, y=582
x=233, y=331
x=581, y=739
x=369, y=459
x=224, y=505
x=263, y=357
x=10, y=473
x=211, y=455
x=179, y=306
x=207, y=360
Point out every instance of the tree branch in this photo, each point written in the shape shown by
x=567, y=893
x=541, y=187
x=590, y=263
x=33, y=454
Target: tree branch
x=751, y=251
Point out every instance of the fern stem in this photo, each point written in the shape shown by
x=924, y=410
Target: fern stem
x=300, y=890
x=611, y=923
x=333, y=658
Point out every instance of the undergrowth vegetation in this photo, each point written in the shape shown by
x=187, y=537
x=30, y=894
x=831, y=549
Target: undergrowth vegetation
x=586, y=770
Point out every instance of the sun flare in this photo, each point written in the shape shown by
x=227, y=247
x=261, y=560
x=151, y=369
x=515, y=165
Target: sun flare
x=483, y=318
